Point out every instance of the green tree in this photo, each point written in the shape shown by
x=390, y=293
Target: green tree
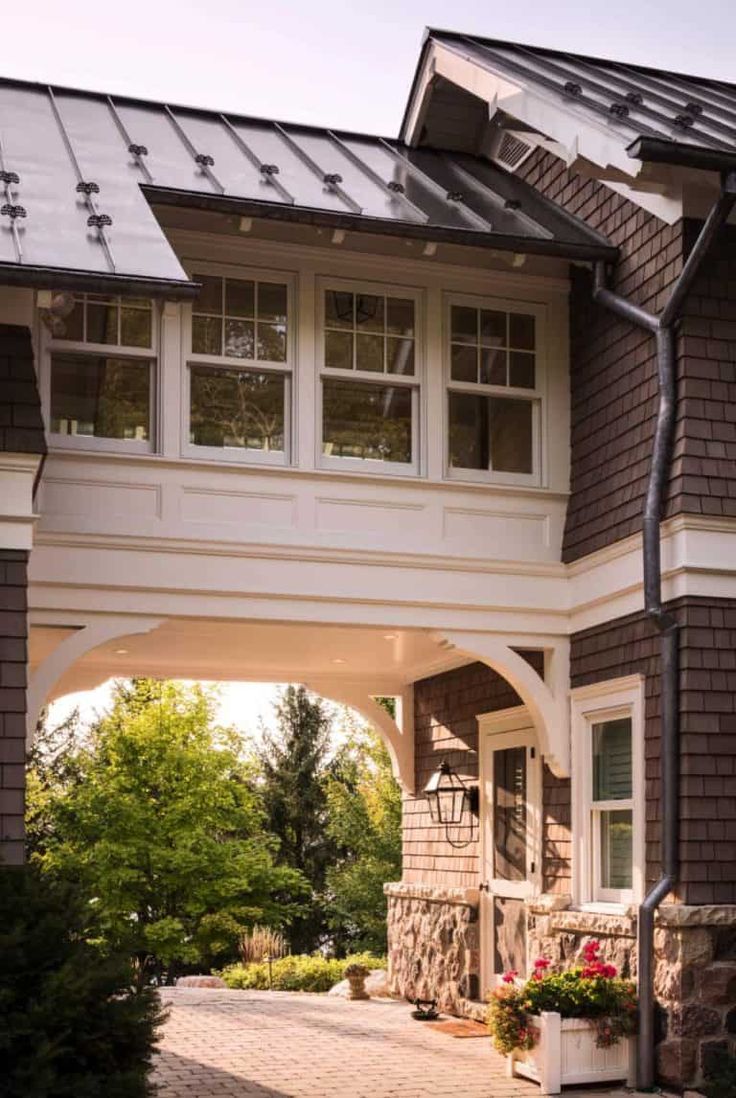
x=294, y=761
x=156, y=815
x=364, y=820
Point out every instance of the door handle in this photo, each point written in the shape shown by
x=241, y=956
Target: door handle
x=484, y=887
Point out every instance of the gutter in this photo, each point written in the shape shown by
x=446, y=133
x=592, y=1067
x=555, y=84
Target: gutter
x=663, y=328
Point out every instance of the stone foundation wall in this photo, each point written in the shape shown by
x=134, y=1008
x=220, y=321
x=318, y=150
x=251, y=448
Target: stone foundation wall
x=433, y=944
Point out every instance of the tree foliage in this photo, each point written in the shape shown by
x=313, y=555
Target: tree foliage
x=364, y=821
x=72, y=1027
x=294, y=761
x=156, y=815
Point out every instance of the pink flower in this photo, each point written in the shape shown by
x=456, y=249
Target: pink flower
x=510, y=976
x=542, y=963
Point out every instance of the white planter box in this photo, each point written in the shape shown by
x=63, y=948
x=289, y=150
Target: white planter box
x=565, y=1053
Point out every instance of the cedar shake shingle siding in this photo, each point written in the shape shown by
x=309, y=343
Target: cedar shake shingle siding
x=613, y=369
x=704, y=473
x=13, y=651
x=21, y=422
x=445, y=710
x=21, y=432
x=707, y=729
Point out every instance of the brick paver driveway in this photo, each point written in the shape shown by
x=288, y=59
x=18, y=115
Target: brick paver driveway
x=283, y=1045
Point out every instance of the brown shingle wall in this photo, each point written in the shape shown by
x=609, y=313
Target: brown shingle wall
x=612, y=364
x=707, y=726
x=445, y=710
x=704, y=472
x=21, y=423
x=13, y=641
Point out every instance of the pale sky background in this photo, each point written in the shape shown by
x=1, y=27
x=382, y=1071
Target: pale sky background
x=340, y=64
x=346, y=65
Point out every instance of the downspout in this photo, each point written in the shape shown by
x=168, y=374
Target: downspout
x=663, y=328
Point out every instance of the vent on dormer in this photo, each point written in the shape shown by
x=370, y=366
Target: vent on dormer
x=510, y=149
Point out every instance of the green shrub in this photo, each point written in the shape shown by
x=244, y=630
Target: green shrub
x=71, y=1025
x=303, y=972
x=720, y=1078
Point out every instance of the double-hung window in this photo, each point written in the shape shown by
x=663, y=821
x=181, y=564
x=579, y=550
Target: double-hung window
x=608, y=791
x=240, y=361
x=102, y=377
x=494, y=391
x=369, y=383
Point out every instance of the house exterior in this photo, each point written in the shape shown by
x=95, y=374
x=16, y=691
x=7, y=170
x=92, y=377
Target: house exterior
x=449, y=417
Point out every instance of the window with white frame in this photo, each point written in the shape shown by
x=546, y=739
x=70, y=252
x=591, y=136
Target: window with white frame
x=369, y=378
x=608, y=791
x=240, y=367
x=102, y=374
x=494, y=391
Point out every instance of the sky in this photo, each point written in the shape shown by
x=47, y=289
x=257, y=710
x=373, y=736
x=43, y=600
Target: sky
x=337, y=63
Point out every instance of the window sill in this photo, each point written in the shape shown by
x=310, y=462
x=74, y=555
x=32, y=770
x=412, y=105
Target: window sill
x=414, y=480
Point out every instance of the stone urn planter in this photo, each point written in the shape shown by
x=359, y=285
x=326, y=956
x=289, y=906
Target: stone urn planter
x=356, y=975
x=565, y=1054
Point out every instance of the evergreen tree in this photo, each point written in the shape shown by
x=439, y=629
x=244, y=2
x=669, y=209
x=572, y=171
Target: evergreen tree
x=294, y=768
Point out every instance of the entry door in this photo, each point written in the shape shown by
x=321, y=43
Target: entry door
x=511, y=848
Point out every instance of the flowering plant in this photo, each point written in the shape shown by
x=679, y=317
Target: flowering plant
x=592, y=990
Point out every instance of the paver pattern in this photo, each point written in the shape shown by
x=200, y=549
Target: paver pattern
x=256, y=1044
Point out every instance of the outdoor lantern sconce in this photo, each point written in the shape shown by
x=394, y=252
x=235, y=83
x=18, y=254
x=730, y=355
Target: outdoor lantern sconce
x=449, y=799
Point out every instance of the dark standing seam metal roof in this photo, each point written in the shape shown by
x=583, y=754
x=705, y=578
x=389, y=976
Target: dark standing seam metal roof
x=641, y=103
x=78, y=170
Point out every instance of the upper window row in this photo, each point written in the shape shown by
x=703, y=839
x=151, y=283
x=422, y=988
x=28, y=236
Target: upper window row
x=240, y=378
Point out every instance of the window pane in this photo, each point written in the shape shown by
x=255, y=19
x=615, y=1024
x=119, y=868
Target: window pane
x=272, y=302
x=490, y=433
x=339, y=309
x=102, y=323
x=239, y=338
x=339, y=350
x=74, y=323
x=399, y=316
x=240, y=297
x=521, y=332
x=617, y=849
x=272, y=342
x=612, y=762
x=400, y=356
x=207, y=335
x=369, y=312
x=464, y=324
x=492, y=366
x=100, y=397
x=493, y=328
x=210, y=296
x=511, y=435
x=468, y=431
x=237, y=408
x=509, y=814
x=463, y=363
x=367, y=421
x=369, y=353
x=521, y=370
x=135, y=327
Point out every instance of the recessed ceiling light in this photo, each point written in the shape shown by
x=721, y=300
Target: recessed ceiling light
x=338, y=660
x=390, y=636
x=121, y=651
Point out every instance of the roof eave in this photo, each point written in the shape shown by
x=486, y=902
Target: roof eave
x=66, y=278
x=361, y=223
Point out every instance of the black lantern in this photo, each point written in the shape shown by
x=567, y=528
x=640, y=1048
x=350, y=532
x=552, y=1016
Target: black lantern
x=450, y=799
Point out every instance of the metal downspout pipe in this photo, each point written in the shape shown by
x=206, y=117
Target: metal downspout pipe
x=663, y=328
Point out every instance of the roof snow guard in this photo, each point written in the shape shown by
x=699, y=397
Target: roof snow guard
x=659, y=115
x=79, y=170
